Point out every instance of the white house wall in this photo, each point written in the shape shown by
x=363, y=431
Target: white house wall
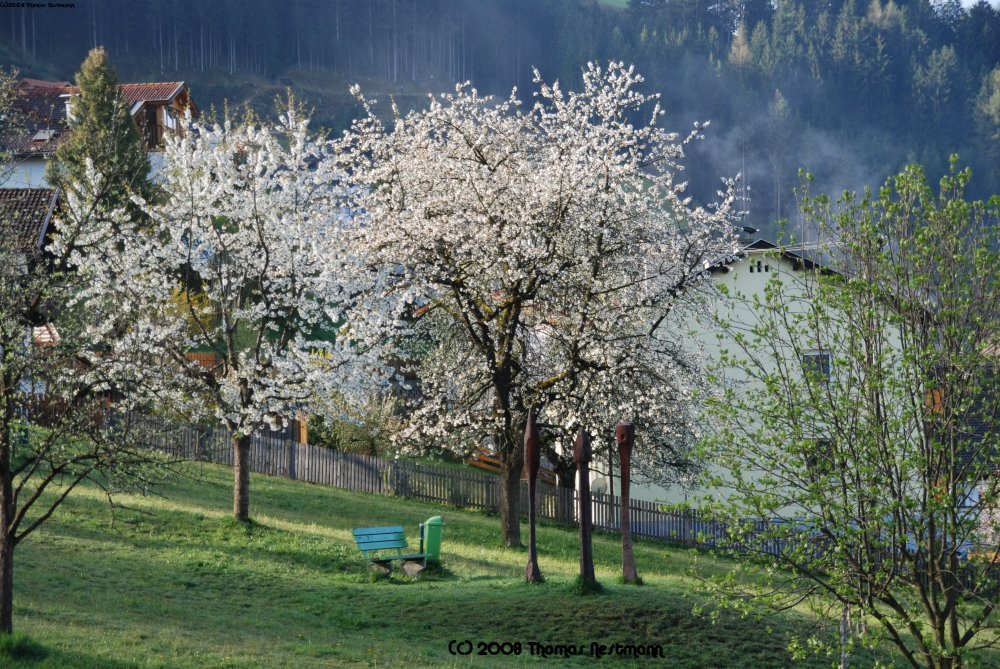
x=30, y=172
x=27, y=173
x=738, y=280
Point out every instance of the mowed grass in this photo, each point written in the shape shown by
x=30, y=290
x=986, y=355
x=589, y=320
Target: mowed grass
x=174, y=582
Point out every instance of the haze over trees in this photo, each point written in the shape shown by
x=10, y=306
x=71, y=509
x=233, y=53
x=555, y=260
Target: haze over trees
x=851, y=90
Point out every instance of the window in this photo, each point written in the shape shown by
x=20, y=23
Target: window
x=817, y=365
x=169, y=120
x=819, y=458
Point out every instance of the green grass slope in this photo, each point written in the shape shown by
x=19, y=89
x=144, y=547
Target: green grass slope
x=173, y=582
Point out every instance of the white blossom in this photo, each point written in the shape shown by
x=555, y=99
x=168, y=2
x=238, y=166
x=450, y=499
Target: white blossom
x=548, y=246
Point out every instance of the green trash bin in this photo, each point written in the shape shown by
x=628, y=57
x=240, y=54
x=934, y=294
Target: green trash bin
x=430, y=538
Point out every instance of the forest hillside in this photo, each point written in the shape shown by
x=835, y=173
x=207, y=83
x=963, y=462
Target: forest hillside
x=848, y=89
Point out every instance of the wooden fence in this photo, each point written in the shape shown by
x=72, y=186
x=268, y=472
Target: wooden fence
x=276, y=455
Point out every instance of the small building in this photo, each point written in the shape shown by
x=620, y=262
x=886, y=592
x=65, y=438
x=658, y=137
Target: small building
x=44, y=109
x=25, y=222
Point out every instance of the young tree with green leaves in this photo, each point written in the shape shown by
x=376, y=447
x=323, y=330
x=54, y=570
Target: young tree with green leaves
x=861, y=420
x=102, y=133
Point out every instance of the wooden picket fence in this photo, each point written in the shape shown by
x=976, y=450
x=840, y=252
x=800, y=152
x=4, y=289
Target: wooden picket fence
x=462, y=487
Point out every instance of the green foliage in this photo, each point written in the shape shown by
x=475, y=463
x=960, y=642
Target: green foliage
x=584, y=587
x=366, y=429
x=864, y=464
x=988, y=105
x=103, y=134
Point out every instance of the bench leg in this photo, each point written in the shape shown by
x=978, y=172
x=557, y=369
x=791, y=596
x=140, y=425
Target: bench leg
x=381, y=567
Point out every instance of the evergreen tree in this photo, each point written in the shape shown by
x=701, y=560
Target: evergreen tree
x=102, y=132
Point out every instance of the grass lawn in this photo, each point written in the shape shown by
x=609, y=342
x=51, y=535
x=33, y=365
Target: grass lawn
x=173, y=582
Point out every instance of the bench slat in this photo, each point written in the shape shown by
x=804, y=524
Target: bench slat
x=395, y=536
x=381, y=545
x=388, y=529
x=387, y=538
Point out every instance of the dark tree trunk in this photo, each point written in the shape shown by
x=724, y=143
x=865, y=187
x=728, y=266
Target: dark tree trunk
x=510, y=493
x=532, y=456
x=582, y=455
x=511, y=460
x=241, y=477
x=6, y=534
x=625, y=434
x=6, y=584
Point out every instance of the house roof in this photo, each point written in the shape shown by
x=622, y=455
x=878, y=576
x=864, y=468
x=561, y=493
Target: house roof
x=42, y=105
x=799, y=257
x=25, y=214
x=39, y=110
x=164, y=91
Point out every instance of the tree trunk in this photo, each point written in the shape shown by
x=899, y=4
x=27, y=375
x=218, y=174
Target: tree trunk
x=6, y=583
x=7, y=510
x=625, y=435
x=583, y=455
x=241, y=477
x=532, y=456
x=511, y=454
x=510, y=493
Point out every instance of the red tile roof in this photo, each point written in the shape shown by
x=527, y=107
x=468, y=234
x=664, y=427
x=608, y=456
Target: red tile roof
x=25, y=214
x=153, y=92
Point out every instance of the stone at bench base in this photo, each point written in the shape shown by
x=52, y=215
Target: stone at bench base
x=381, y=567
x=412, y=568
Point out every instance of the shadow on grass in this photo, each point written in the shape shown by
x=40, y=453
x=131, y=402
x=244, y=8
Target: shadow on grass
x=20, y=647
x=19, y=651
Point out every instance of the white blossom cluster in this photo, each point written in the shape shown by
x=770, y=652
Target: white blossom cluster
x=244, y=255
x=544, y=248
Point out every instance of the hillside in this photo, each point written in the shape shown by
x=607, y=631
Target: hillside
x=848, y=89
x=171, y=581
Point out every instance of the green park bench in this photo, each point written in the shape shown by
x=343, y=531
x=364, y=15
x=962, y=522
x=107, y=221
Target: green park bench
x=382, y=545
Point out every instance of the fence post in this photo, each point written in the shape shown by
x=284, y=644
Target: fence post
x=290, y=452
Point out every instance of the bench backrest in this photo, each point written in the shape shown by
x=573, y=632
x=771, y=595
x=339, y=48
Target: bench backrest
x=390, y=537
